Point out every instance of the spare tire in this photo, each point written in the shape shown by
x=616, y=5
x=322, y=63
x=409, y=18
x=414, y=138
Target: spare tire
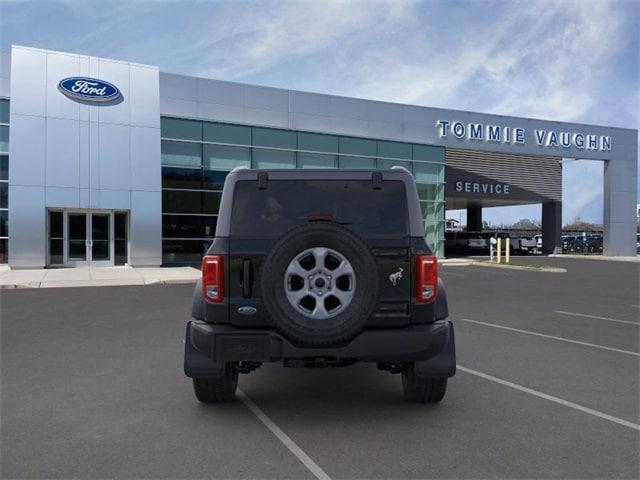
x=319, y=284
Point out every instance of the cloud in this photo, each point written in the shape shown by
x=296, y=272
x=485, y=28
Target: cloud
x=305, y=33
x=538, y=59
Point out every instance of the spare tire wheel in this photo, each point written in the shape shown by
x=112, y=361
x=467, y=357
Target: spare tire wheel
x=319, y=284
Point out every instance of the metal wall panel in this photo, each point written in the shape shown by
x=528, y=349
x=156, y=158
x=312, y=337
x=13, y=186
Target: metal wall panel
x=28, y=82
x=115, y=158
x=226, y=113
x=62, y=197
x=226, y=93
x=145, y=155
x=27, y=140
x=27, y=233
x=117, y=73
x=144, y=97
x=268, y=118
x=59, y=66
x=62, y=165
x=310, y=103
x=84, y=160
x=146, y=228
x=620, y=197
x=265, y=98
x=114, y=199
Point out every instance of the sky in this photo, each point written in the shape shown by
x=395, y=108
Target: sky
x=558, y=60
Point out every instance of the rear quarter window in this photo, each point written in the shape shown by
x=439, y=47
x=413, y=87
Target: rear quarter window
x=285, y=204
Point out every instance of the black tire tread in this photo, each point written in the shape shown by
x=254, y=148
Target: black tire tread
x=422, y=389
x=217, y=389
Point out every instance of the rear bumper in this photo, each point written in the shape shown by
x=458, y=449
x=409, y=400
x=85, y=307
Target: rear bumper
x=430, y=344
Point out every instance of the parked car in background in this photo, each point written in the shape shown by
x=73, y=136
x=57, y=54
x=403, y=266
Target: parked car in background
x=477, y=243
x=471, y=243
x=528, y=245
x=582, y=244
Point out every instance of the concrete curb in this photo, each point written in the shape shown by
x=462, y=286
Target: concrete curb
x=97, y=283
x=520, y=267
x=97, y=277
x=635, y=259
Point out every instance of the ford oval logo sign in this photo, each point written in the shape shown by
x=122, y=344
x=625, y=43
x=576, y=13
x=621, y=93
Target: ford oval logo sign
x=247, y=310
x=89, y=89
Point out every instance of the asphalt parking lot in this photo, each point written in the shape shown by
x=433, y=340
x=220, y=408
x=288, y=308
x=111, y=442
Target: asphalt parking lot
x=547, y=387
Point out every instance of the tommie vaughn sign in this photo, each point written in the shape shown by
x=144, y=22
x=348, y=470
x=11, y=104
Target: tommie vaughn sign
x=478, y=132
x=88, y=89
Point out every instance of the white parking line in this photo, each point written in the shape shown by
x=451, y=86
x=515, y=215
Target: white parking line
x=551, y=398
x=562, y=339
x=284, y=438
x=609, y=319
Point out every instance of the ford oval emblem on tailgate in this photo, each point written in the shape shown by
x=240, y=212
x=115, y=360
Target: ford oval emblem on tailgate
x=246, y=310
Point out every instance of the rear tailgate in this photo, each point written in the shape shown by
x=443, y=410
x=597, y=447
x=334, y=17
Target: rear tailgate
x=261, y=215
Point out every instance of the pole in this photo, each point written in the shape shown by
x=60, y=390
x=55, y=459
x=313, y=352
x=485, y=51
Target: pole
x=499, y=248
x=507, y=248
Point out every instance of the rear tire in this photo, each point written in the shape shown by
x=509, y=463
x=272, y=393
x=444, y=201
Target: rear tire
x=217, y=389
x=422, y=389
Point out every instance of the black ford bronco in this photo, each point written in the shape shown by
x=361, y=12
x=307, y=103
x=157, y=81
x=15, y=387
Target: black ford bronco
x=319, y=268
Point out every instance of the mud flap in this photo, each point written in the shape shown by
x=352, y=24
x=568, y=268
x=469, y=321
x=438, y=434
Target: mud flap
x=196, y=363
x=441, y=365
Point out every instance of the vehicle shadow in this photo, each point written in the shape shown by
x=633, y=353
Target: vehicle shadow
x=359, y=391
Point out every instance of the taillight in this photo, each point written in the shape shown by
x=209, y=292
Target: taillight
x=426, y=278
x=213, y=278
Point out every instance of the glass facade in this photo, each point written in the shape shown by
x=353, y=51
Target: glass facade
x=4, y=180
x=197, y=155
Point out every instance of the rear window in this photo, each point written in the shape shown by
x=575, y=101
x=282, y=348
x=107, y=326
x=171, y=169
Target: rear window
x=285, y=204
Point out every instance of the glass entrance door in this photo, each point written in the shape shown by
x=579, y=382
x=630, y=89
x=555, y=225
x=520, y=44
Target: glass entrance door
x=77, y=239
x=100, y=243
x=87, y=238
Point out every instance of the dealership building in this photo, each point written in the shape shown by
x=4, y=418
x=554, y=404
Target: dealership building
x=107, y=162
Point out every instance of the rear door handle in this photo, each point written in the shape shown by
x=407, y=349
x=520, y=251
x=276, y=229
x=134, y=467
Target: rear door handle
x=246, y=278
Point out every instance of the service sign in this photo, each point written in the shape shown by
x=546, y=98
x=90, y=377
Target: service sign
x=88, y=89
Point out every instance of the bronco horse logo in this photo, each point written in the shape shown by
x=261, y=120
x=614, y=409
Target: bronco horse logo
x=395, y=277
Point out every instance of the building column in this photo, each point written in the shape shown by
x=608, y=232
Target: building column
x=620, y=198
x=474, y=218
x=551, y=227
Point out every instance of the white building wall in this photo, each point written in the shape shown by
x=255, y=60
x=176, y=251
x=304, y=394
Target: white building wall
x=71, y=154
